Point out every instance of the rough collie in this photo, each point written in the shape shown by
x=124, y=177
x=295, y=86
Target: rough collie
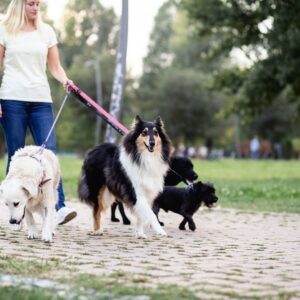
x=132, y=173
x=181, y=169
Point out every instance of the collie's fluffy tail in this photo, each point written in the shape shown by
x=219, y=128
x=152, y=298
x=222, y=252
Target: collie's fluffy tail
x=83, y=189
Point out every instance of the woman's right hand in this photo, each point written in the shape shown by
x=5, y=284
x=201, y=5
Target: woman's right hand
x=65, y=83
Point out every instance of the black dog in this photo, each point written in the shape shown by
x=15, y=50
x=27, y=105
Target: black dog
x=185, y=201
x=181, y=169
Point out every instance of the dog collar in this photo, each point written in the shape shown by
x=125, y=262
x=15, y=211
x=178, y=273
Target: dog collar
x=190, y=187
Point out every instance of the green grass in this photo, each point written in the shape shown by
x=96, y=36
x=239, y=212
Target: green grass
x=32, y=267
x=265, y=185
x=18, y=293
x=70, y=169
x=114, y=286
x=121, y=284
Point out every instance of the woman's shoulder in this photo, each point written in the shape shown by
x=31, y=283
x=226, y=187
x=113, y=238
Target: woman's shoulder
x=47, y=28
x=48, y=34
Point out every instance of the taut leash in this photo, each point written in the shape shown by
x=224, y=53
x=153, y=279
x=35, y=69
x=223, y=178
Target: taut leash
x=43, y=146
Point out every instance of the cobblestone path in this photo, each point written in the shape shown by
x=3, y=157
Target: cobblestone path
x=232, y=254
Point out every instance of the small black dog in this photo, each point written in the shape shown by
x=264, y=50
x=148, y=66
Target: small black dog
x=185, y=201
x=181, y=169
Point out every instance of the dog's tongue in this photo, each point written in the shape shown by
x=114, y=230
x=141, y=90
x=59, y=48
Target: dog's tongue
x=212, y=205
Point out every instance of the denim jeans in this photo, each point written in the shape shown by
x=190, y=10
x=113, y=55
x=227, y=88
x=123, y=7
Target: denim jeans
x=17, y=116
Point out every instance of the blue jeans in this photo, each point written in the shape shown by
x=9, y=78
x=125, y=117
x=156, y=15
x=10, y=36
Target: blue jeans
x=17, y=116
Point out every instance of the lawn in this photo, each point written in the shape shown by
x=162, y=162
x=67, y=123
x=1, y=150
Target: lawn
x=265, y=185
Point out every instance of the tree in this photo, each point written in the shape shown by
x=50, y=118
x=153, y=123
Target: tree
x=187, y=107
x=267, y=31
x=87, y=24
x=176, y=80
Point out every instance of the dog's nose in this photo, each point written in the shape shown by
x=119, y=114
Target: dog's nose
x=151, y=143
x=12, y=221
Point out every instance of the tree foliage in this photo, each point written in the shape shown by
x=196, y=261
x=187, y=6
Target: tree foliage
x=267, y=31
x=175, y=83
x=187, y=107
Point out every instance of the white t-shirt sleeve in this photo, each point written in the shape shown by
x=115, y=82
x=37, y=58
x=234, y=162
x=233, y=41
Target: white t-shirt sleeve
x=51, y=36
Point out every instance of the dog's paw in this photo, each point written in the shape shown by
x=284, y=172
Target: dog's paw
x=141, y=235
x=192, y=227
x=126, y=222
x=115, y=220
x=32, y=235
x=47, y=237
x=181, y=227
x=161, y=232
x=98, y=232
x=18, y=227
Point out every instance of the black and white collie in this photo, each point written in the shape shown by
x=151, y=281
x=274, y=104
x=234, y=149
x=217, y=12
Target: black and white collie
x=181, y=169
x=132, y=173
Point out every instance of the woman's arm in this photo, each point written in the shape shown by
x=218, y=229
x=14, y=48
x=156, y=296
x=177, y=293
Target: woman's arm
x=54, y=65
x=2, y=51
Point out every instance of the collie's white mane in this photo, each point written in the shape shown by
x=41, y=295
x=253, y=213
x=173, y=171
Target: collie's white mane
x=147, y=177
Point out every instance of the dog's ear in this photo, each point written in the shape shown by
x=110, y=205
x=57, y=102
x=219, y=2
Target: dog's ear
x=137, y=120
x=158, y=122
x=30, y=190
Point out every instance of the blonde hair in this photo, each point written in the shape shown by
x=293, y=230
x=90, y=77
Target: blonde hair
x=15, y=18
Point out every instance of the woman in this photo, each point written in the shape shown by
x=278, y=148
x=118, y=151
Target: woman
x=27, y=45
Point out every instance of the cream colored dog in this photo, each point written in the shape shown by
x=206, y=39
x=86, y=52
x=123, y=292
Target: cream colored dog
x=31, y=186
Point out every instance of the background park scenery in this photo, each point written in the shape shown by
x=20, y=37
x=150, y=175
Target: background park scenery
x=218, y=73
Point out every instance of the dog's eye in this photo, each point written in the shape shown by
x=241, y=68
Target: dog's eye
x=16, y=204
x=145, y=133
x=155, y=132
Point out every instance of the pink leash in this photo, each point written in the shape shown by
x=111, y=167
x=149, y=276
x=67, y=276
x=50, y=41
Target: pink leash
x=89, y=102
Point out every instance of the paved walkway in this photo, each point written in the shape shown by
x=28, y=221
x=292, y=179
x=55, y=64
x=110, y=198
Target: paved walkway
x=232, y=254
